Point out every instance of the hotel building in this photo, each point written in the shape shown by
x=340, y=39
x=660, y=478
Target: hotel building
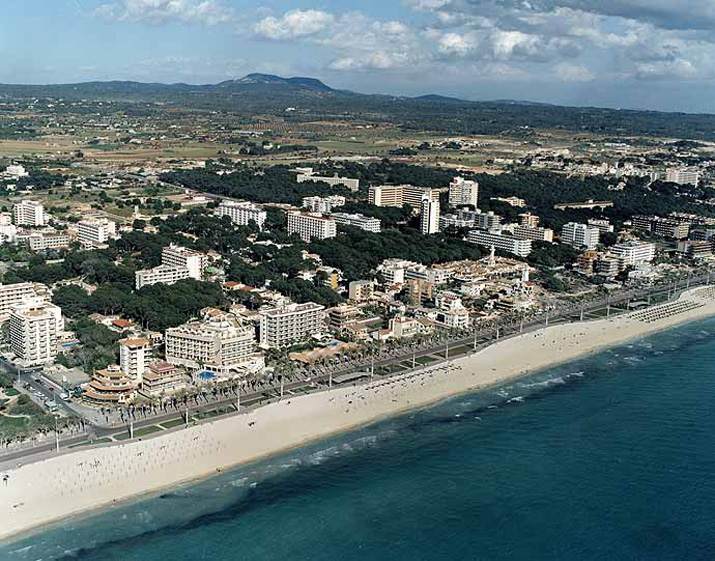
x=34, y=330
x=133, y=358
x=287, y=325
x=195, y=262
x=580, y=236
x=29, y=213
x=309, y=226
x=162, y=274
x=521, y=248
x=429, y=215
x=463, y=192
x=242, y=213
x=96, y=231
x=358, y=221
x=220, y=343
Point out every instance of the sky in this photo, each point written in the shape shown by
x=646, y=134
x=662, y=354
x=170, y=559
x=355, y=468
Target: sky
x=644, y=54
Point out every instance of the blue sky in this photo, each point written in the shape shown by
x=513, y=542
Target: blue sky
x=655, y=54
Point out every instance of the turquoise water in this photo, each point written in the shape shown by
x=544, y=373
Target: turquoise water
x=610, y=457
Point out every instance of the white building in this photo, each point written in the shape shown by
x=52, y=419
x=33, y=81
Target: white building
x=29, y=213
x=323, y=205
x=398, y=195
x=34, y=330
x=8, y=233
x=309, y=226
x=633, y=253
x=463, y=192
x=243, y=213
x=16, y=172
x=40, y=241
x=14, y=295
x=164, y=274
x=221, y=344
x=96, y=231
x=358, y=220
x=522, y=248
x=429, y=215
x=465, y=218
x=523, y=232
x=195, y=262
x=287, y=325
x=683, y=176
x=361, y=290
x=307, y=175
x=133, y=358
x=580, y=236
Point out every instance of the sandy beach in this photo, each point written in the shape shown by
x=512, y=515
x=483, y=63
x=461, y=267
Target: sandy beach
x=75, y=481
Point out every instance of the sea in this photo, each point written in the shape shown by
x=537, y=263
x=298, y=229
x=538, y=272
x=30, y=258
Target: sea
x=606, y=458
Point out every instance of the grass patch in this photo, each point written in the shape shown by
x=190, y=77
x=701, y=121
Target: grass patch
x=92, y=442
x=11, y=392
x=173, y=423
x=139, y=432
x=425, y=360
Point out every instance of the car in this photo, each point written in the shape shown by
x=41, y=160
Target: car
x=64, y=396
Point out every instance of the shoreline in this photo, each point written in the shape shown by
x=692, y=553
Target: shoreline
x=79, y=482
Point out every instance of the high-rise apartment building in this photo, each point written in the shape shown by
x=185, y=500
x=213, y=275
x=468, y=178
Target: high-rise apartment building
x=29, y=213
x=463, y=192
x=580, y=235
x=34, y=330
x=195, y=262
x=133, y=358
x=429, y=215
x=96, y=231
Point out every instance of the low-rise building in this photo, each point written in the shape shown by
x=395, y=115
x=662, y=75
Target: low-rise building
x=162, y=378
x=41, y=241
x=633, y=253
x=110, y=386
x=307, y=174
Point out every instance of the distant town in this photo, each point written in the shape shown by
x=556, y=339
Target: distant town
x=156, y=264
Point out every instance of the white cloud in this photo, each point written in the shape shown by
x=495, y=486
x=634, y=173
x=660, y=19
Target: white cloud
x=566, y=72
x=293, y=25
x=456, y=44
x=202, y=12
x=378, y=60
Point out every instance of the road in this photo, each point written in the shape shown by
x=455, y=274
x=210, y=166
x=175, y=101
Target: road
x=477, y=340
